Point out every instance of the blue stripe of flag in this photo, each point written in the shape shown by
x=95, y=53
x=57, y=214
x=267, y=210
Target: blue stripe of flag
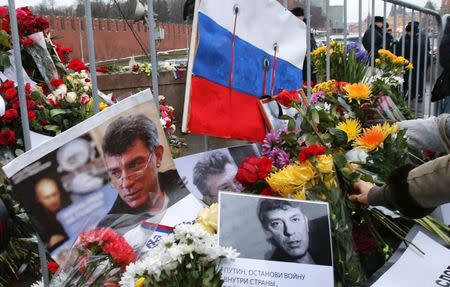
x=213, y=58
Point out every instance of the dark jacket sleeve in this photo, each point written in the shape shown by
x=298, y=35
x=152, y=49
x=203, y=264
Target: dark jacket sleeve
x=444, y=47
x=415, y=192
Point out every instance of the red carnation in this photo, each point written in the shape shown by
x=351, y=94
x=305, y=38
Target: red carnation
x=253, y=169
x=76, y=65
x=7, y=137
x=52, y=267
x=287, y=98
x=10, y=115
x=312, y=150
x=56, y=82
x=111, y=243
x=10, y=93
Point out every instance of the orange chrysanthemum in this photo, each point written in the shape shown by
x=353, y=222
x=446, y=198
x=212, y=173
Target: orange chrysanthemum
x=357, y=92
x=371, y=138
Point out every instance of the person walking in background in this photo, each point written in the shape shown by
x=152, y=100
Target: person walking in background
x=300, y=14
x=367, y=38
x=413, y=39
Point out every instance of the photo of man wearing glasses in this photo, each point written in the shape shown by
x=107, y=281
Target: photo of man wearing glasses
x=133, y=155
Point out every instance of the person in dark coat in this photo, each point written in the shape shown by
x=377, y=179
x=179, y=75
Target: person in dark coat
x=444, y=61
x=424, y=54
x=300, y=14
x=367, y=38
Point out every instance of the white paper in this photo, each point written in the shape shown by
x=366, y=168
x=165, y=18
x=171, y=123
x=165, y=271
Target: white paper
x=244, y=272
x=417, y=270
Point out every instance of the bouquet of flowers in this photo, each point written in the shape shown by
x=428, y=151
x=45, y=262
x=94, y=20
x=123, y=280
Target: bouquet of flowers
x=101, y=256
x=11, y=127
x=347, y=63
x=168, y=123
x=69, y=103
x=337, y=145
x=189, y=257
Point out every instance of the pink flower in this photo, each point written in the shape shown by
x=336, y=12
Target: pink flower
x=84, y=99
x=52, y=100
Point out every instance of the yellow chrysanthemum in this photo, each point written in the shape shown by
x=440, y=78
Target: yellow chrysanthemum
x=358, y=91
x=389, y=129
x=319, y=51
x=351, y=127
x=409, y=66
x=328, y=87
x=386, y=53
x=325, y=163
x=140, y=282
x=371, y=139
x=292, y=179
x=377, y=61
x=102, y=106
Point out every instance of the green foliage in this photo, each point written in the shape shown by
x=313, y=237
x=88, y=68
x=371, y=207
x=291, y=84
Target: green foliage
x=20, y=259
x=393, y=154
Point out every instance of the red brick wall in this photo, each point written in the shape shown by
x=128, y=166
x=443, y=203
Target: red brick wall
x=113, y=38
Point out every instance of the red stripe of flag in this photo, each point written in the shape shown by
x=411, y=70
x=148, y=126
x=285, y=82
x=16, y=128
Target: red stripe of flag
x=217, y=112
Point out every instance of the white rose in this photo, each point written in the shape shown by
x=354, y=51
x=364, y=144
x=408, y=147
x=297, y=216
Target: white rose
x=86, y=88
x=63, y=89
x=71, y=97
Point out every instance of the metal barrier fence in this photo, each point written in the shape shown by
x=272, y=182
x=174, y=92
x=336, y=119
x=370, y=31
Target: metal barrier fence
x=432, y=27
x=430, y=30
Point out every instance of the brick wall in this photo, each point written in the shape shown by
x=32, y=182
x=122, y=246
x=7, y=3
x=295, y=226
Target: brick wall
x=114, y=38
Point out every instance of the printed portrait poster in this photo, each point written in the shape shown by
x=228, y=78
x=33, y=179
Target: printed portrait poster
x=101, y=174
x=208, y=173
x=282, y=242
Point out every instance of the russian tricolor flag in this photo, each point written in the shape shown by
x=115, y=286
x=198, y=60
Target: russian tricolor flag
x=245, y=50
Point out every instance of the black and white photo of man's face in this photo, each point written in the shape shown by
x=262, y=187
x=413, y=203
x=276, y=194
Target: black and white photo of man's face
x=224, y=181
x=288, y=228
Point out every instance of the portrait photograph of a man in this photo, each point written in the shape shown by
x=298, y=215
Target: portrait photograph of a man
x=113, y=170
x=208, y=173
x=282, y=229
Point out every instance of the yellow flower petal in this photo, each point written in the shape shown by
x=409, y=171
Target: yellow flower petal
x=358, y=91
x=351, y=127
x=140, y=282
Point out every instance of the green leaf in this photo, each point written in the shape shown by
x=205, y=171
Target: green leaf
x=339, y=135
x=4, y=59
x=4, y=39
x=52, y=128
x=285, y=117
x=315, y=116
x=56, y=112
x=291, y=125
x=35, y=95
x=339, y=160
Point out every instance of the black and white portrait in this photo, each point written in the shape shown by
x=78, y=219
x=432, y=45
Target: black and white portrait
x=272, y=111
x=281, y=229
x=208, y=173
